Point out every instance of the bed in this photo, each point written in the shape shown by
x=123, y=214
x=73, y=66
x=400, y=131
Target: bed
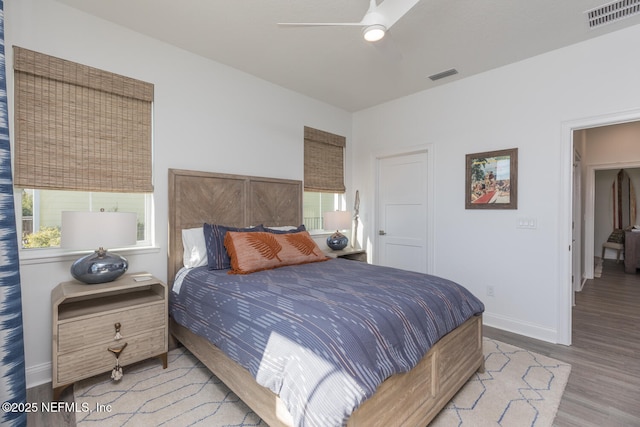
x=412, y=398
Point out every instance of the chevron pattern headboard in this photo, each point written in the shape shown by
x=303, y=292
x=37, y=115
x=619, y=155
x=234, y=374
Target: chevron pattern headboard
x=234, y=200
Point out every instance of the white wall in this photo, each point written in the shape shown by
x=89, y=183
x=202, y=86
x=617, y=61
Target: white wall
x=523, y=105
x=612, y=145
x=206, y=117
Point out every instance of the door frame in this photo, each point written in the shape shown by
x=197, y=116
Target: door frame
x=565, y=255
x=578, y=267
x=429, y=150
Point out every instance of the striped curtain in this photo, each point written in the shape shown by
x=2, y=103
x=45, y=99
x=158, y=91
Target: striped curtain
x=12, y=374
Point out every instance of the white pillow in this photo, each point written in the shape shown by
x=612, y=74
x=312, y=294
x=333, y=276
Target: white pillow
x=195, y=249
x=283, y=228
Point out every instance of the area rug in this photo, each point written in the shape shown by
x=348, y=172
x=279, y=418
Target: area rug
x=518, y=388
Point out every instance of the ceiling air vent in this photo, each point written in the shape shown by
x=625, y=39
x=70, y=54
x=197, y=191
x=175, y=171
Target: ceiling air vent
x=444, y=74
x=613, y=11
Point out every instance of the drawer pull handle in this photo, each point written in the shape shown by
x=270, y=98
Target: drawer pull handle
x=118, y=334
x=116, y=373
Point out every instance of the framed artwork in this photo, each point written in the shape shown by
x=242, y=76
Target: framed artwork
x=492, y=180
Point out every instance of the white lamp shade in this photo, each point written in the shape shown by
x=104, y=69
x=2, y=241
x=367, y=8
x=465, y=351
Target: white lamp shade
x=337, y=220
x=93, y=230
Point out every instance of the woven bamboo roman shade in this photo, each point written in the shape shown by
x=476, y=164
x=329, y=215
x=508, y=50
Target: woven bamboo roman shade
x=323, y=161
x=80, y=128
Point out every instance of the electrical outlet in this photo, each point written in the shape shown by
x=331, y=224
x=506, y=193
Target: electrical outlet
x=490, y=292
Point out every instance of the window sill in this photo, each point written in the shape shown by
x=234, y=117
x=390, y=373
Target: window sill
x=319, y=233
x=46, y=255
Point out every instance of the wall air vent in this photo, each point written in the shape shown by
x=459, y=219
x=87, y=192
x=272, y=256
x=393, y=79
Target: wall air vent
x=443, y=74
x=611, y=12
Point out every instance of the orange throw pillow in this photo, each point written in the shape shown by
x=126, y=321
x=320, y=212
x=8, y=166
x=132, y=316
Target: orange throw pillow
x=250, y=252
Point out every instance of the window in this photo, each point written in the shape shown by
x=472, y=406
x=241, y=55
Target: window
x=42, y=211
x=323, y=175
x=82, y=142
x=315, y=204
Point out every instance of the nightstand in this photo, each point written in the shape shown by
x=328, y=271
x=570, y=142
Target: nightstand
x=348, y=253
x=91, y=321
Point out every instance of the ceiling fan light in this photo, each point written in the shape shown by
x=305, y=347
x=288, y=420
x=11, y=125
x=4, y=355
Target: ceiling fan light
x=373, y=33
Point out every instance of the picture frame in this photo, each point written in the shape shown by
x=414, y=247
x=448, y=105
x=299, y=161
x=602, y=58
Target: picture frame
x=492, y=180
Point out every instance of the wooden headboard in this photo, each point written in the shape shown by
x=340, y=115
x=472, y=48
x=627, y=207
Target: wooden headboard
x=233, y=200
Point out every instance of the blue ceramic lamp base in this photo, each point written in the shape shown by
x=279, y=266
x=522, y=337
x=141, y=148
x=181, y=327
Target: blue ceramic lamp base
x=99, y=267
x=337, y=241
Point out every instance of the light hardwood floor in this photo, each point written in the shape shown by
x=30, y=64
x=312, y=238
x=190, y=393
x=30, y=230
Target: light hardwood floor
x=604, y=385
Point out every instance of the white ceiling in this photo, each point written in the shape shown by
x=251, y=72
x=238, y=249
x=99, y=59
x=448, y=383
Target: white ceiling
x=335, y=64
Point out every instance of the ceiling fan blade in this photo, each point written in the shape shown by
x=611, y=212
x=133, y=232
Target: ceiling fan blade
x=368, y=19
x=321, y=24
x=393, y=10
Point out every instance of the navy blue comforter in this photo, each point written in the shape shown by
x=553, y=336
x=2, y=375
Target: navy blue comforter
x=323, y=335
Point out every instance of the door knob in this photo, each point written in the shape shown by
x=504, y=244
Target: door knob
x=382, y=232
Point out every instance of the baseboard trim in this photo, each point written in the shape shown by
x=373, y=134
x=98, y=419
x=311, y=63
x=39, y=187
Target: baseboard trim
x=38, y=374
x=516, y=326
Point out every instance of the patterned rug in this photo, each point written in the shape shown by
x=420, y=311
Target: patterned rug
x=518, y=388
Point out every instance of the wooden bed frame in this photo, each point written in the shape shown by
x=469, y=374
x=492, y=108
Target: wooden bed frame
x=410, y=399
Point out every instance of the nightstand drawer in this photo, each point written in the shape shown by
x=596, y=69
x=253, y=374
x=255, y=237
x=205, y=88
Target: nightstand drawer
x=88, y=331
x=84, y=319
x=97, y=359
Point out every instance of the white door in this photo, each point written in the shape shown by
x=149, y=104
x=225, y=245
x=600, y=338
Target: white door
x=402, y=212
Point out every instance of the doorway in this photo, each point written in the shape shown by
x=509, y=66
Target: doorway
x=593, y=223
x=570, y=144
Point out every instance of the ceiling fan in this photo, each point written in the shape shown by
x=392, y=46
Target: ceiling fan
x=375, y=23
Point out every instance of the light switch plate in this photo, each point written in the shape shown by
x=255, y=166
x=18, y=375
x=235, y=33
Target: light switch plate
x=529, y=223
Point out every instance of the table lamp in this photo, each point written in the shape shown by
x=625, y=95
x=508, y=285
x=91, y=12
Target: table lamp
x=337, y=220
x=89, y=230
